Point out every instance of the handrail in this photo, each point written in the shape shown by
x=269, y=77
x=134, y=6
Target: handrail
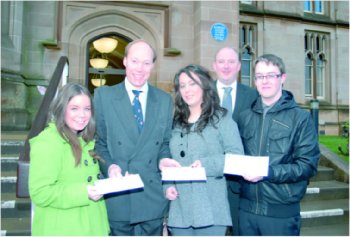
x=38, y=125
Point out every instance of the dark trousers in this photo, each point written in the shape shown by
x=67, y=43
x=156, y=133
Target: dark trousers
x=233, y=199
x=253, y=225
x=213, y=230
x=124, y=228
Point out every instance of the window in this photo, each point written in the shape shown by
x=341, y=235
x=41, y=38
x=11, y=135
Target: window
x=320, y=74
x=247, y=2
x=314, y=6
x=308, y=75
x=246, y=68
x=105, y=65
x=315, y=45
x=318, y=6
x=307, y=6
x=247, y=52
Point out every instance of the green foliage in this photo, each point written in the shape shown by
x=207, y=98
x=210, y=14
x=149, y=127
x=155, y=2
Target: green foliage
x=333, y=143
x=345, y=133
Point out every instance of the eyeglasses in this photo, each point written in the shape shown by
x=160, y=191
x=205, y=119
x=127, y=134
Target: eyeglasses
x=268, y=77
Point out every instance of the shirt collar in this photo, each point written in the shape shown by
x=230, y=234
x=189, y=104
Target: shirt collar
x=129, y=87
x=220, y=85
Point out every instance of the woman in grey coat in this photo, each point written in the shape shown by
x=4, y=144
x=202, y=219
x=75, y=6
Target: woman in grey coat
x=202, y=134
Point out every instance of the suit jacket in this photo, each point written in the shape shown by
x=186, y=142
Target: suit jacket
x=244, y=99
x=119, y=142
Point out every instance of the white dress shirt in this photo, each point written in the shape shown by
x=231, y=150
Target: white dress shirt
x=220, y=88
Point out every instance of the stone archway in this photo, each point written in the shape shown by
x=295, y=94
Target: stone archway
x=80, y=32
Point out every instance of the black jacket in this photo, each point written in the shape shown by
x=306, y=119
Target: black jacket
x=287, y=135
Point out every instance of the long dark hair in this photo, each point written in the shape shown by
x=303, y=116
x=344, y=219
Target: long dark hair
x=211, y=109
x=57, y=113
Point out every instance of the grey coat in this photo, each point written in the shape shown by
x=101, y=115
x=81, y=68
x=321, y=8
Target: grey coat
x=204, y=203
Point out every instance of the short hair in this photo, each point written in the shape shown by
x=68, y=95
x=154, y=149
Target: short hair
x=271, y=59
x=227, y=47
x=127, y=48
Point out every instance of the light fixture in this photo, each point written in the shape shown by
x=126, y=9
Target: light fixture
x=99, y=62
x=97, y=82
x=105, y=44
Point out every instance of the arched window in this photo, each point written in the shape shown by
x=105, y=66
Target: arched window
x=315, y=64
x=243, y=41
x=246, y=68
x=308, y=75
x=320, y=75
x=247, y=52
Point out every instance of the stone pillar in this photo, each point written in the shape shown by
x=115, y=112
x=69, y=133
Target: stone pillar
x=207, y=13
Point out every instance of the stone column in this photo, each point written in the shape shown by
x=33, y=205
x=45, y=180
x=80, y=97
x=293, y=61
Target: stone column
x=207, y=13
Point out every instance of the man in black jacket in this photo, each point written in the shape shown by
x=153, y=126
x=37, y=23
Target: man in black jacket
x=276, y=127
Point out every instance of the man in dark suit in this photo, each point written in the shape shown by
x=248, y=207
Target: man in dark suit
x=239, y=97
x=134, y=142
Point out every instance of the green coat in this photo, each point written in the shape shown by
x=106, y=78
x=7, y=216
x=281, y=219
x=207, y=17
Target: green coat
x=58, y=188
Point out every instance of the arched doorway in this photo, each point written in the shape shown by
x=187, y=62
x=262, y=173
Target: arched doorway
x=105, y=66
x=82, y=31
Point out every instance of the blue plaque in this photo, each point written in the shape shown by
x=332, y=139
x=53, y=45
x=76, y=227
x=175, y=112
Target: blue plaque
x=219, y=32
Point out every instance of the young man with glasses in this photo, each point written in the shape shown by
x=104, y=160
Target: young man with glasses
x=276, y=127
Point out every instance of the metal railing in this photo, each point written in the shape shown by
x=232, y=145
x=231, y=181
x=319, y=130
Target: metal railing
x=59, y=77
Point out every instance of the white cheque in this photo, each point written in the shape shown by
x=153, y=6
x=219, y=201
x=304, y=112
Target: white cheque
x=184, y=174
x=112, y=185
x=241, y=164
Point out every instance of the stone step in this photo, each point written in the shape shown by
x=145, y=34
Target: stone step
x=326, y=190
x=8, y=182
x=325, y=212
x=9, y=162
x=11, y=146
x=12, y=207
x=14, y=135
x=19, y=226
x=323, y=174
x=12, y=142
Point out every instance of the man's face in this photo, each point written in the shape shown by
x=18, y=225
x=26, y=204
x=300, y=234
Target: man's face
x=227, y=66
x=269, y=81
x=138, y=64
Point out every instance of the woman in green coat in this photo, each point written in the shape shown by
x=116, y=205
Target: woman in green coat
x=63, y=170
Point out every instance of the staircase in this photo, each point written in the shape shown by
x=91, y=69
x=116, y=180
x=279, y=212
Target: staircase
x=15, y=212
x=325, y=207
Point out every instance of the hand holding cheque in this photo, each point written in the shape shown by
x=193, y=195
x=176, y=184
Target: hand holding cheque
x=251, y=168
x=117, y=182
x=173, y=171
x=124, y=183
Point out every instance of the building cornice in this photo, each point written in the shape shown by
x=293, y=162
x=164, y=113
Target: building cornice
x=305, y=17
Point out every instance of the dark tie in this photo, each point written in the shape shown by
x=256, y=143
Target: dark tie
x=136, y=107
x=227, y=100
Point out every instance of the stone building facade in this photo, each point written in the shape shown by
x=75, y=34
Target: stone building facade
x=35, y=34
